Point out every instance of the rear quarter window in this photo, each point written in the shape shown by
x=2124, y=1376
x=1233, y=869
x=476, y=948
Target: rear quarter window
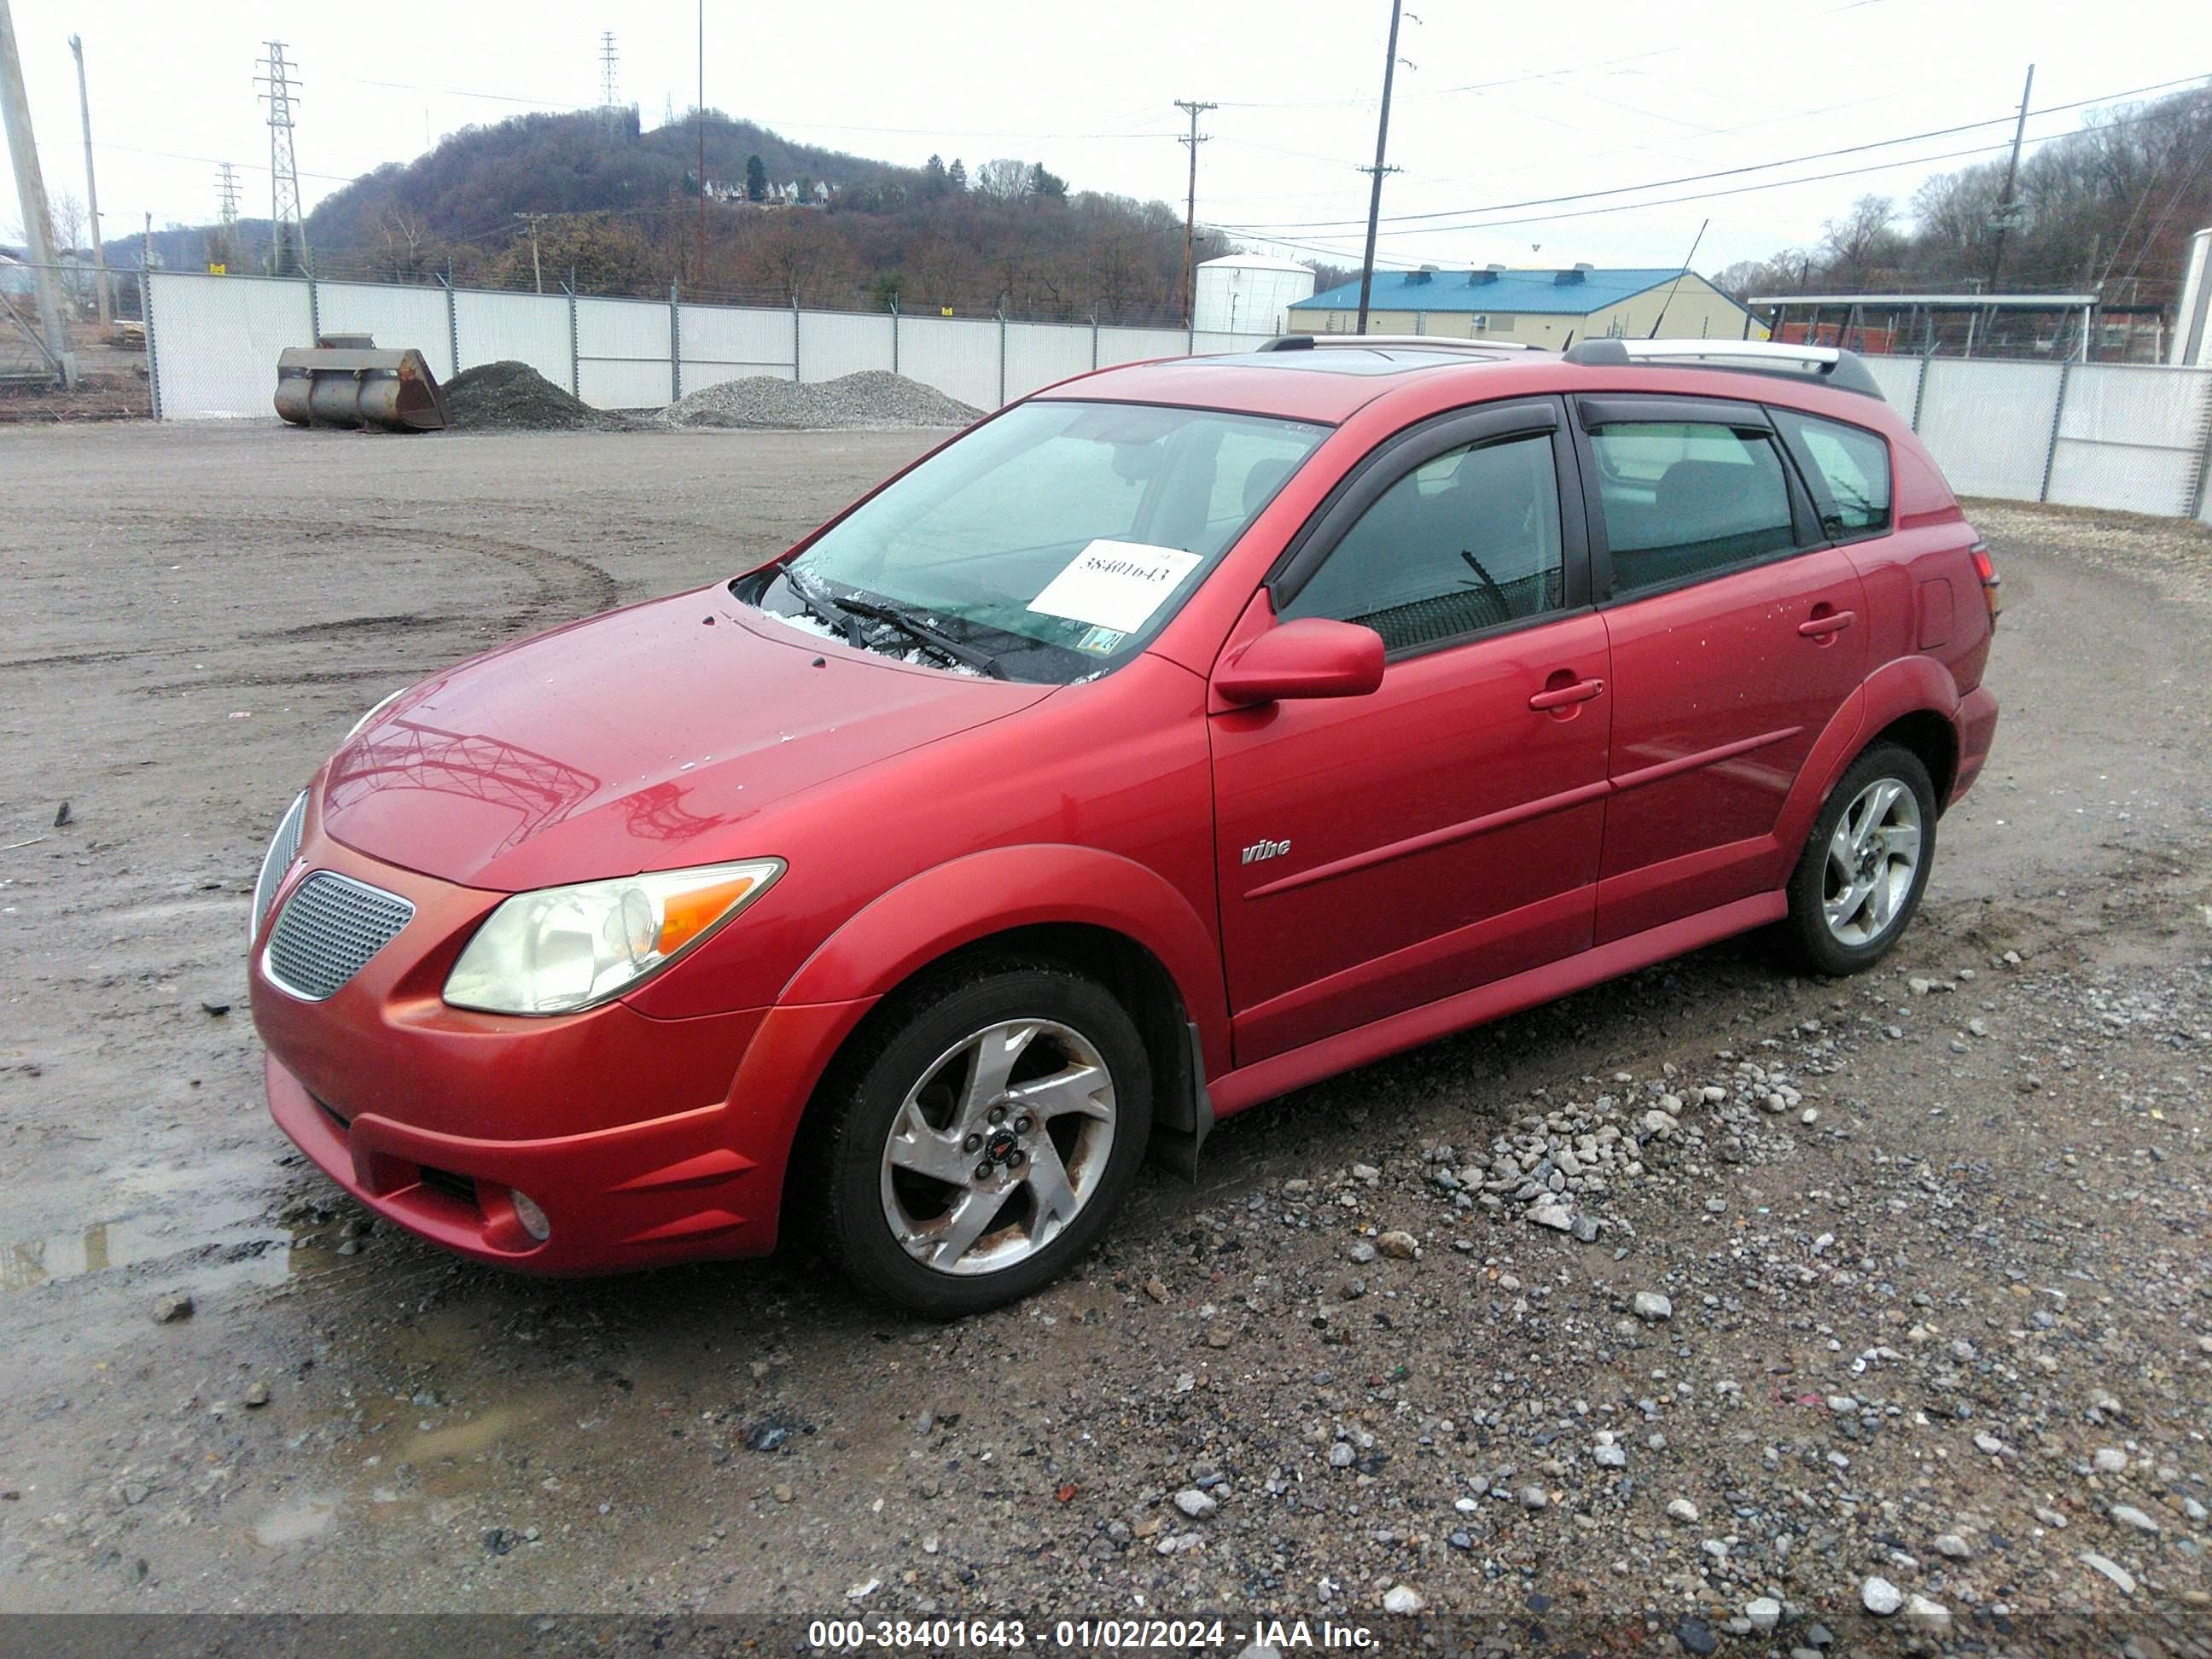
x=1849, y=472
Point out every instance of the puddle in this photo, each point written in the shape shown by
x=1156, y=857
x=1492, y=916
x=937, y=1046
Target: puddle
x=295, y=1523
x=243, y=1255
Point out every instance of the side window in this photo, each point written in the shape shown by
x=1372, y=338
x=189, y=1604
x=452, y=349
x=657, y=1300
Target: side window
x=1850, y=465
x=1683, y=498
x=1466, y=541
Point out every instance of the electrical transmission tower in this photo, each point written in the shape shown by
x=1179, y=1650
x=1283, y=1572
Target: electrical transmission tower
x=609, y=89
x=224, y=247
x=287, y=250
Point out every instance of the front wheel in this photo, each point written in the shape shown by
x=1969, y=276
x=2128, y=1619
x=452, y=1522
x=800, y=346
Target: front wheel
x=1865, y=864
x=978, y=1142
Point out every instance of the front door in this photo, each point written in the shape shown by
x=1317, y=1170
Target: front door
x=1735, y=636
x=1381, y=851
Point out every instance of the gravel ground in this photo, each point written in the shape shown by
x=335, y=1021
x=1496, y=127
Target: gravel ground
x=1880, y=1316
x=511, y=397
x=871, y=399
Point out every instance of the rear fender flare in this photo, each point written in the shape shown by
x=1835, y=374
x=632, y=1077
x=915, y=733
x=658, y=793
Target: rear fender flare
x=1906, y=685
x=931, y=915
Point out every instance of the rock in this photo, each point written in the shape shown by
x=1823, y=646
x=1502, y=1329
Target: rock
x=2128, y=1515
x=1929, y=1618
x=2050, y=1517
x=212, y=1006
x=2110, y=1459
x=1584, y=1229
x=177, y=1305
x=1533, y=1497
x=1879, y=1598
x=1195, y=1504
x=1659, y=1124
x=1989, y=1444
x=1155, y=1290
x=1765, y=1613
x=782, y=1493
x=257, y=1394
x=1683, y=1510
x=1400, y=1598
x=1361, y=1252
x=864, y=1589
x=134, y=1492
x=2112, y=1570
x=1696, y=1635
x=1399, y=1246
x=1950, y=1544
x=1558, y=1219
x=1652, y=1307
x=1341, y=1455
x=1610, y=1457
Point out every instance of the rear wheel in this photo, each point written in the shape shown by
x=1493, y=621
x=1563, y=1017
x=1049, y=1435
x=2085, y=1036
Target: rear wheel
x=980, y=1140
x=1865, y=864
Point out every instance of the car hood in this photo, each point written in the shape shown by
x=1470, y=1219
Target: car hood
x=642, y=739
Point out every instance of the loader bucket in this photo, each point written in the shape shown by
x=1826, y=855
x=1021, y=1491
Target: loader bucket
x=322, y=385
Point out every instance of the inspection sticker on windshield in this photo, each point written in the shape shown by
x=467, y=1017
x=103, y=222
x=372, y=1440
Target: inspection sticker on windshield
x=1114, y=585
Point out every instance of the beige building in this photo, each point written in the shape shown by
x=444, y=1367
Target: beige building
x=1548, y=307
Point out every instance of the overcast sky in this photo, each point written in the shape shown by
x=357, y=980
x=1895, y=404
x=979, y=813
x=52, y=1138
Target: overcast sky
x=1507, y=103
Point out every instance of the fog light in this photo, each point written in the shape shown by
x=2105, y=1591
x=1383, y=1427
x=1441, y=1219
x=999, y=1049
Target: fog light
x=527, y=1212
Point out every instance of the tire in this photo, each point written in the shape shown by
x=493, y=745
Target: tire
x=923, y=1197
x=1865, y=864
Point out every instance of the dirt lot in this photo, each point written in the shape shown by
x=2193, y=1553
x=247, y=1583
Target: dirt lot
x=1933, y=1241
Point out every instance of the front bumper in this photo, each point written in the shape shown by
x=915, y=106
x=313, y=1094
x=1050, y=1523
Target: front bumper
x=644, y=1142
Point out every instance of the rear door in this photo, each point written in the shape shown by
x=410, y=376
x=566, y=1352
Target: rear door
x=1735, y=632
x=1380, y=851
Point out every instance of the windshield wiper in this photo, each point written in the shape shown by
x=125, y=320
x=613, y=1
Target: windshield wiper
x=922, y=634
x=821, y=608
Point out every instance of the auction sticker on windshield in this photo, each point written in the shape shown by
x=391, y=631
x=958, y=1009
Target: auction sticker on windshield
x=1114, y=585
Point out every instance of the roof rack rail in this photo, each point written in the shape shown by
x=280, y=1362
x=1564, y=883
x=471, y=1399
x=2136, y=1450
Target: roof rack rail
x=1311, y=341
x=1842, y=369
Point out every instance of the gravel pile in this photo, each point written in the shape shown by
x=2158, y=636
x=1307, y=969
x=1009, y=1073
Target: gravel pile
x=873, y=397
x=511, y=397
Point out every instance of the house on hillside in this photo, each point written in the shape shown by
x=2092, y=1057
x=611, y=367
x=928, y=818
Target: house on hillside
x=1531, y=307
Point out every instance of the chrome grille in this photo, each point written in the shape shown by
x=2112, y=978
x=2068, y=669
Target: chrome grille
x=277, y=862
x=328, y=930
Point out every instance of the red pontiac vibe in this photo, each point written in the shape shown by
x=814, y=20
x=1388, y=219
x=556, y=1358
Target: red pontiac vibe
x=1174, y=737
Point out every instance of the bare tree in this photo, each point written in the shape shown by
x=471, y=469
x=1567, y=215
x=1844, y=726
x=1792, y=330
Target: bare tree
x=1005, y=179
x=407, y=243
x=1862, y=242
x=70, y=220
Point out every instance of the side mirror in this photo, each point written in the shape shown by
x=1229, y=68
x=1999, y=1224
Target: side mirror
x=1313, y=657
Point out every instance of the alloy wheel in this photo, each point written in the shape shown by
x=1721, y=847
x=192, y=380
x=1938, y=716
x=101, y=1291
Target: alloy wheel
x=998, y=1147
x=1873, y=858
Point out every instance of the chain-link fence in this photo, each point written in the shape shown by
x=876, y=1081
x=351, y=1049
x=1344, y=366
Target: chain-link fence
x=91, y=365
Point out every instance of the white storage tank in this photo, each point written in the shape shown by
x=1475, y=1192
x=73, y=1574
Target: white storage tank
x=2192, y=321
x=1248, y=294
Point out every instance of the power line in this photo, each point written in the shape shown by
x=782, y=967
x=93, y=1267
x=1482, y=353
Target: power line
x=1721, y=172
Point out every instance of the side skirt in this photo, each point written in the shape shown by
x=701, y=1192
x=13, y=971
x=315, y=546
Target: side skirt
x=1281, y=1074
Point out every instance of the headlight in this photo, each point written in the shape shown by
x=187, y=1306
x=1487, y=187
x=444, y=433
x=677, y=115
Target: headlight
x=374, y=712
x=283, y=848
x=561, y=949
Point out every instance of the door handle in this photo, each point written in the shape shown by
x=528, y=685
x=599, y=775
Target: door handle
x=1565, y=696
x=1835, y=622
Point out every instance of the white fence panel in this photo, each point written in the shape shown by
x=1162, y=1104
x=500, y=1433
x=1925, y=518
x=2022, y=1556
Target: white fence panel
x=1038, y=354
x=396, y=318
x=1208, y=343
x=215, y=341
x=1988, y=424
x=1136, y=345
x=516, y=328
x=1898, y=378
x=622, y=353
x=728, y=343
x=835, y=344
x=957, y=356
x=2132, y=438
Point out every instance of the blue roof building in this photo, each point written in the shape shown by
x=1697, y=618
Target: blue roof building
x=1534, y=307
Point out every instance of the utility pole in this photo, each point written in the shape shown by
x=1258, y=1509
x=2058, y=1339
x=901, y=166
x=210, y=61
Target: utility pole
x=1381, y=145
x=700, y=121
x=537, y=273
x=31, y=192
x=284, y=167
x=1190, y=203
x=2007, y=214
x=92, y=191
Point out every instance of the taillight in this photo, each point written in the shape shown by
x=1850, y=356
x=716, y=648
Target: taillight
x=1992, y=583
